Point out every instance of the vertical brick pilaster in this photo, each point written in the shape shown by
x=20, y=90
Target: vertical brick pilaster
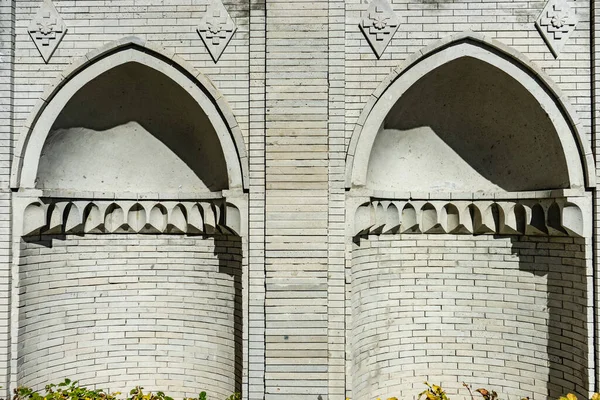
x=297, y=199
x=595, y=99
x=256, y=300
x=7, y=34
x=336, y=259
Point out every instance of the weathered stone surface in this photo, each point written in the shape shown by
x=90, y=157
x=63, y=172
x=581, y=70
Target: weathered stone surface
x=324, y=199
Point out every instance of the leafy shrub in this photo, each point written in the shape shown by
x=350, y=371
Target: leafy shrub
x=67, y=390
x=138, y=394
x=70, y=390
x=433, y=392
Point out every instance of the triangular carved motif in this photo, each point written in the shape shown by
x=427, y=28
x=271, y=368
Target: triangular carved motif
x=379, y=23
x=216, y=29
x=47, y=29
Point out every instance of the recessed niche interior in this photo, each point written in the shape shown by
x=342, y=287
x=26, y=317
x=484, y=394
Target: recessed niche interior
x=132, y=129
x=117, y=311
x=503, y=313
x=467, y=126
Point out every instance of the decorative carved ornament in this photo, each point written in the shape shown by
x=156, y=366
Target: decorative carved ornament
x=48, y=216
x=379, y=24
x=556, y=23
x=47, y=29
x=216, y=29
x=546, y=217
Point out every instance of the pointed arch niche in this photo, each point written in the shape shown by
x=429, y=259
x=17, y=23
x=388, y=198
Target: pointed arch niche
x=469, y=217
x=129, y=201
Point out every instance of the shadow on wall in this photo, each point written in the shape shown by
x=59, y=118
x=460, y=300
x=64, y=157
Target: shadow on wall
x=116, y=311
x=467, y=124
x=563, y=267
x=132, y=129
x=506, y=313
x=229, y=252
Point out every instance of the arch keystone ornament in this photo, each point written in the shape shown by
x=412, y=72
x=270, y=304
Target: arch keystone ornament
x=216, y=29
x=556, y=23
x=379, y=24
x=47, y=29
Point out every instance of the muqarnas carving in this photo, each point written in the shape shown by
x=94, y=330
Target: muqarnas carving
x=47, y=29
x=77, y=216
x=379, y=24
x=556, y=23
x=537, y=217
x=216, y=29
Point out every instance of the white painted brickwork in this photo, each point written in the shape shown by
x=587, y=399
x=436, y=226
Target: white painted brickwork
x=256, y=204
x=171, y=24
x=163, y=312
x=7, y=20
x=422, y=23
x=506, y=313
x=296, y=200
x=292, y=308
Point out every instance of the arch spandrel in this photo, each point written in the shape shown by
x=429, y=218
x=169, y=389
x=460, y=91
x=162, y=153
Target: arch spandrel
x=575, y=148
x=113, y=55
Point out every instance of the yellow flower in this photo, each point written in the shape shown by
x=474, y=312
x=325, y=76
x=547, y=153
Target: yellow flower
x=569, y=396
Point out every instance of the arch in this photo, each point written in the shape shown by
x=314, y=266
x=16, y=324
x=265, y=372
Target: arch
x=577, y=152
x=95, y=63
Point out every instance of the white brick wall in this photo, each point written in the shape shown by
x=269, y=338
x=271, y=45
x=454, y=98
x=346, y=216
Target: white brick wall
x=422, y=23
x=297, y=74
x=256, y=200
x=160, y=311
x=502, y=313
x=7, y=19
x=296, y=162
x=171, y=24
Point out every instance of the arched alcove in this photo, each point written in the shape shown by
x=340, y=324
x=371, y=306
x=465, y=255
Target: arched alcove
x=132, y=129
x=465, y=109
x=66, y=115
x=467, y=126
x=484, y=292
x=131, y=155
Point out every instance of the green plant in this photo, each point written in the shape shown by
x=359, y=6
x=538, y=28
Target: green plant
x=70, y=390
x=66, y=390
x=201, y=396
x=433, y=392
x=137, y=393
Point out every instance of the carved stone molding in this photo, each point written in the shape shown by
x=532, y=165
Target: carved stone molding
x=216, y=29
x=47, y=29
x=379, y=23
x=556, y=22
x=47, y=216
x=547, y=217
